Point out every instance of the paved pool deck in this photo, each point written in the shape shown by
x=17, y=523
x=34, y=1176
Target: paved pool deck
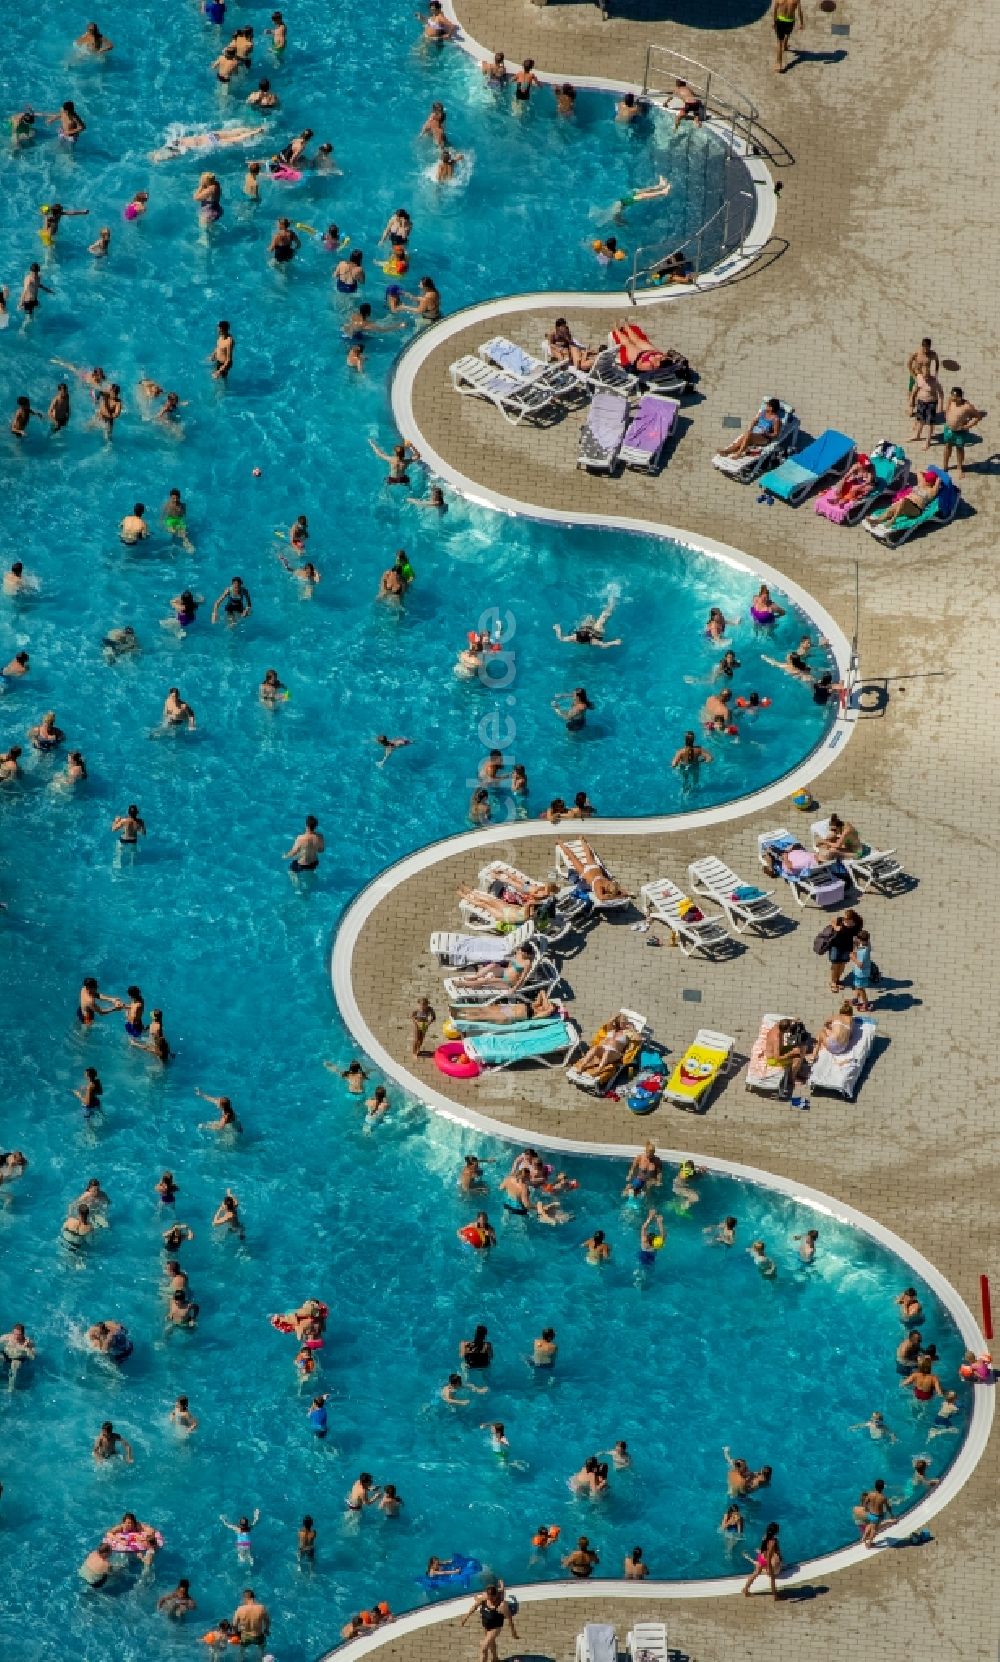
x=885, y=232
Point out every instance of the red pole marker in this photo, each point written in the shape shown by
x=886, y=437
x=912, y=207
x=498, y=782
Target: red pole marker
x=984, y=1293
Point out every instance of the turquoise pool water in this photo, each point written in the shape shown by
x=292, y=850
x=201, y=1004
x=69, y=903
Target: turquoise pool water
x=207, y=922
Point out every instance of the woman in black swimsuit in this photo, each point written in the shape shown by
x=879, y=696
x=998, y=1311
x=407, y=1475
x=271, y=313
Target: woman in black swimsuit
x=476, y=1352
x=494, y=1611
x=524, y=80
x=285, y=243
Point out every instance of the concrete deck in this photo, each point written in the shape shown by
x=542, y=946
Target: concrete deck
x=886, y=234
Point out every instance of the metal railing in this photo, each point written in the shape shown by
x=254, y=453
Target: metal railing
x=723, y=234
x=719, y=96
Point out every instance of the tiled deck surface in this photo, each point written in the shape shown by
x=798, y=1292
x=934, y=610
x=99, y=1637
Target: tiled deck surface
x=890, y=235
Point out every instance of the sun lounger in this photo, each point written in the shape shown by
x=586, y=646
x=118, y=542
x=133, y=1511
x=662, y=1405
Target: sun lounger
x=647, y=1640
x=543, y=976
x=466, y=951
x=889, y=469
x=464, y=1022
x=597, y=1643
x=602, y=433
x=566, y=869
x=548, y=1045
x=600, y=1083
x=821, y=884
x=702, y=1065
x=763, y=1076
x=516, y=400
x=841, y=1075
x=694, y=933
x=569, y=906
x=939, y=512
x=870, y=868
x=826, y=458
x=649, y=431
x=745, y=906
x=748, y=466
x=674, y=376
x=522, y=366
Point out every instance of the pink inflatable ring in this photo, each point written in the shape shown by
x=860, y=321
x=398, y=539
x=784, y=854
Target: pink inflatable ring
x=451, y=1059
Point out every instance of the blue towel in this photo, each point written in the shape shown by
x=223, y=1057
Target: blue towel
x=823, y=456
x=948, y=495
x=518, y=1044
x=512, y=358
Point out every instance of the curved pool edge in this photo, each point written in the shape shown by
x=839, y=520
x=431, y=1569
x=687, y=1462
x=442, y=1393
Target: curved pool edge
x=436, y=1101
x=757, y=239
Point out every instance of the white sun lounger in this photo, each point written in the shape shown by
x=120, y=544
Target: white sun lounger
x=524, y=367
x=602, y=432
x=745, y=906
x=663, y=900
x=516, y=400
x=647, y=1639
x=761, y=1077
x=543, y=976
x=871, y=868
x=822, y=886
x=749, y=466
x=594, y=1083
x=566, y=869
x=549, y=1045
x=597, y=1643
x=465, y=951
x=841, y=1075
x=568, y=907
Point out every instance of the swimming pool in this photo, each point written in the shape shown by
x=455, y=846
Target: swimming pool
x=205, y=920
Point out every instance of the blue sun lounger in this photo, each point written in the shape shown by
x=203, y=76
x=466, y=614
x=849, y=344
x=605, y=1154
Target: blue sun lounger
x=826, y=458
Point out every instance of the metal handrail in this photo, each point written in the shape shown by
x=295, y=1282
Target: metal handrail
x=738, y=110
x=647, y=258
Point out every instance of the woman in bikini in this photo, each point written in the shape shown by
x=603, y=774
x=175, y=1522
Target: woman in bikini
x=591, y=872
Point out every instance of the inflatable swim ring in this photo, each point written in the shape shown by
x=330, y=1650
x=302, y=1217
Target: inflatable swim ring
x=553, y=1532
x=131, y=1540
x=473, y=1236
x=450, y=1059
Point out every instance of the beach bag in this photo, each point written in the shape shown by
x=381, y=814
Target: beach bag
x=824, y=940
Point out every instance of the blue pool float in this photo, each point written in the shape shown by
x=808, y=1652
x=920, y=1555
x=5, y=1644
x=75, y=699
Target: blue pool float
x=461, y=1570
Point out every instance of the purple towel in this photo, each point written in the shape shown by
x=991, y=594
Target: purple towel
x=652, y=424
x=606, y=420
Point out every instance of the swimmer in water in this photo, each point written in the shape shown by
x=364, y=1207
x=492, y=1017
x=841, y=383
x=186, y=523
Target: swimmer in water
x=590, y=630
x=234, y=601
x=154, y=1042
x=721, y=1234
x=807, y=1245
x=227, y=1215
x=453, y=1385
x=176, y=712
x=242, y=1531
x=400, y=458
x=306, y=849
x=572, y=708
x=182, y=1417
x=90, y=1093
x=185, y=610
x=129, y=826
x=133, y=527
x=448, y=165
x=597, y=1249
x=355, y=1075
x=758, y=1254
x=93, y=41
x=223, y=352
x=271, y=689
x=876, y=1428
x=307, y=574
x=110, y=1443
x=648, y=193
x=690, y=754
x=388, y=745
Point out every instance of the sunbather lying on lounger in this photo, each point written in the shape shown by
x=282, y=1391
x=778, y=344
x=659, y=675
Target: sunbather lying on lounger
x=592, y=874
x=841, y=838
x=912, y=505
x=510, y=974
x=606, y=1054
x=519, y=1009
x=764, y=430
x=856, y=483
x=790, y=862
x=513, y=910
x=637, y=351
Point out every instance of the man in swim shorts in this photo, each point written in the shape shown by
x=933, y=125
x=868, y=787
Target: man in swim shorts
x=960, y=416
x=221, y=354
x=306, y=849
